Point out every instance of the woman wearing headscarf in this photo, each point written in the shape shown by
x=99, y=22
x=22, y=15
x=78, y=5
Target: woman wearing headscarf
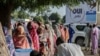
x=51, y=39
x=20, y=39
x=43, y=40
x=32, y=29
x=64, y=33
x=57, y=31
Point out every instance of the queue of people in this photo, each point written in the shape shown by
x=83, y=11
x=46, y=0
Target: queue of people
x=45, y=40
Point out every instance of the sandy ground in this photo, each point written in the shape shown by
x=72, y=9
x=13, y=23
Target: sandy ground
x=88, y=52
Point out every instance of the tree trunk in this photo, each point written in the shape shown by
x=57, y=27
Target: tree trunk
x=5, y=12
x=5, y=15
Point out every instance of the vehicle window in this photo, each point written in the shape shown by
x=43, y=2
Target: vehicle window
x=80, y=27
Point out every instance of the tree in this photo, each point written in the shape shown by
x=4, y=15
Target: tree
x=55, y=18
x=38, y=19
x=7, y=6
x=21, y=14
x=46, y=18
x=63, y=19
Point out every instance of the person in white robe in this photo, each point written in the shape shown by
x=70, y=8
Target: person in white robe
x=68, y=49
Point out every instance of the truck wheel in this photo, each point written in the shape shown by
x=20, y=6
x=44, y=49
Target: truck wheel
x=80, y=41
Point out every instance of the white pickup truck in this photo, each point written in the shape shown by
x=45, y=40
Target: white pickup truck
x=79, y=35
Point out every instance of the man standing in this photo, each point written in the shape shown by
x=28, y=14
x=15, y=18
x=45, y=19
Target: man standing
x=89, y=42
x=95, y=37
x=71, y=32
x=87, y=33
x=68, y=49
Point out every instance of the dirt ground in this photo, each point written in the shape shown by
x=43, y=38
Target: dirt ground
x=88, y=52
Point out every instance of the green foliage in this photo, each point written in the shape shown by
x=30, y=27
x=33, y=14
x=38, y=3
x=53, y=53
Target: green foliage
x=21, y=14
x=37, y=5
x=32, y=6
x=38, y=19
x=55, y=18
x=63, y=20
x=45, y=17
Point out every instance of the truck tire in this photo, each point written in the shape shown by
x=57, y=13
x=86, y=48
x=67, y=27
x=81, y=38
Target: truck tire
x=80, y=41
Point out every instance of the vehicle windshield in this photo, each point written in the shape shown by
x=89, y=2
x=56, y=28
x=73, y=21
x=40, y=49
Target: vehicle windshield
x=80, y=27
